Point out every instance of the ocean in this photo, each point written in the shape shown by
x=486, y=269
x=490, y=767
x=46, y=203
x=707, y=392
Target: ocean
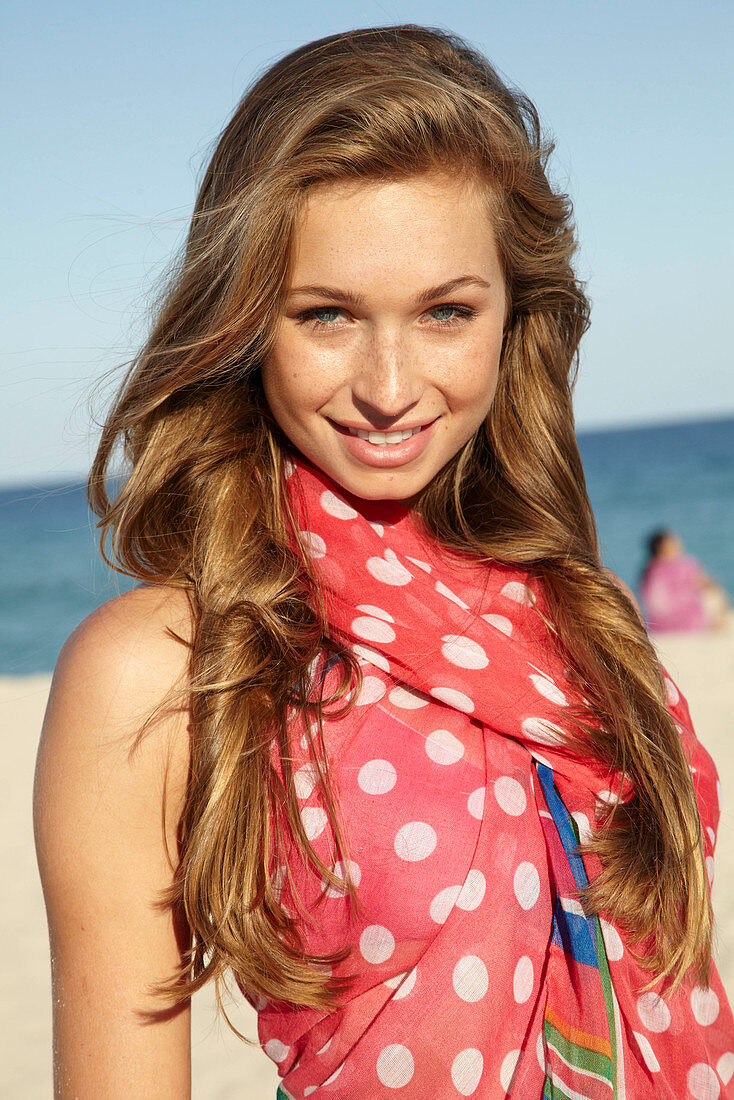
x=679, y=476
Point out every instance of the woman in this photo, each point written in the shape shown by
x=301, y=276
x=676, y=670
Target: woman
x=377, y=686
x=676, y=593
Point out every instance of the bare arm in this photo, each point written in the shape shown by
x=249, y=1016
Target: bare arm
x=98, y=818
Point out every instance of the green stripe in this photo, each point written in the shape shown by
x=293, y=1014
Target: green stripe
x=606, y=984
x=281, y=1094
x=580, y=1057
x=554, y=1092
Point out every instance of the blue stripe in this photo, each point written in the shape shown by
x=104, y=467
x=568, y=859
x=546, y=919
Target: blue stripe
x=571, y=932
x=562, y=820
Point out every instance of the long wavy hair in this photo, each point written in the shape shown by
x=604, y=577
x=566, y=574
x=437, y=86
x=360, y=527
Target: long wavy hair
x=202, y=504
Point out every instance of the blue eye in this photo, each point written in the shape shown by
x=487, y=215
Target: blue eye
x=462, y=313
x=310, y=315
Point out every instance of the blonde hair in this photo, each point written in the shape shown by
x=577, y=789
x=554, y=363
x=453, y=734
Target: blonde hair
x=203, y=506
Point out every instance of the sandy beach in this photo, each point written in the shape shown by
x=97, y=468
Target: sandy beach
x=223, y=1067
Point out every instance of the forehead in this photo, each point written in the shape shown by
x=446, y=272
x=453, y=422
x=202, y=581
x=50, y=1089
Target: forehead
x=431, y=219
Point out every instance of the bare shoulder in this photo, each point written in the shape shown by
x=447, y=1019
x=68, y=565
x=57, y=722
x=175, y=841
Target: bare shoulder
x=126, y=662
x=109, y=792
x=132, y=635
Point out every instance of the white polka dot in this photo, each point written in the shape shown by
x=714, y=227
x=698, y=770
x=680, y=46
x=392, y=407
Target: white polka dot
x=473, y=891
x=527, y=885
x=648, y=1054
x=389, y=571
x=355, y=874
x=510, y=795
x=612, y=941
x=610, y=797
x=507, y=1069
x=402, y=983
x=454, y=698
x=540, y=729
x=702, y=1082
x=314, y=821
x=395, y=1066
x=421, y=564
x=333, y=1077
x=518, y=592
x=407, y=700
x=373, y=690
x=377, y=777
x=443, y=747
x=540, y=1049
x=549, y=690
x=705, y=1005
x=653, y=1012
x=522, y=982
x=309, y=1089
x=335, y=506
x=475, y=803
x=470, y=978
x=443, y=903
x=372, y=657
x=725, y=1067
x=376, y=943
x=377, y=528
x=710, y=869
x=584, y=828
x=711, y=835
x=499, y=622
x=278, y=880
x=466, y=1070
x=415, y=841
x=671, y=692
x=444, y=591
x=276, y=1050
x=305, y=780
x=374, y=630
x=463, y=652
x=375, y=612
x=314, y=544
x=289, y=467
x=325, y=1047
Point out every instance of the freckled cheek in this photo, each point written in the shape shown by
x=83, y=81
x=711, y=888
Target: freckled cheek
x=297, y=379
x=472, y=378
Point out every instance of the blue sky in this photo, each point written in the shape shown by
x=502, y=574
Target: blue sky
x=114, y=110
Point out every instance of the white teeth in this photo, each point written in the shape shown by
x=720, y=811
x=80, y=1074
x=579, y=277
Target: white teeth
x=384, y=438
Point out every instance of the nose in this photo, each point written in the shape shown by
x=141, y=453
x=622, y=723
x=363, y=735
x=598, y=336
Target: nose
x=387, y=386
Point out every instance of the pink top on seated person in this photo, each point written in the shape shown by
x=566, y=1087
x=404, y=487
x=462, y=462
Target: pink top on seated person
x=671, y=595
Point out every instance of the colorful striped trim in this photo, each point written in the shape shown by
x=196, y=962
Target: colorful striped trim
x=583, y=1065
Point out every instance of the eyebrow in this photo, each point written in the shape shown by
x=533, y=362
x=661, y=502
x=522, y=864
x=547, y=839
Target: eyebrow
x=427, y=295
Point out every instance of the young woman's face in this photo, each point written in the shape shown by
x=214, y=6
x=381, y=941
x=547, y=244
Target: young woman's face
x=394, y=320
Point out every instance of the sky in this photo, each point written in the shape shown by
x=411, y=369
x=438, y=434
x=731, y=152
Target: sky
x=115, y=109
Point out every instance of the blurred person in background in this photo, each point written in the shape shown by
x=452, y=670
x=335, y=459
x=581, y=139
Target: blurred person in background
x=676, y=593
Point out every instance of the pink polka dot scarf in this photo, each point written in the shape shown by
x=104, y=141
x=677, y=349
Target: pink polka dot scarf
x=478, y=973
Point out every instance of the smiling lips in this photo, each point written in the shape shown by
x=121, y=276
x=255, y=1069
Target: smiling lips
x=386, y=450
x=385, y=439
